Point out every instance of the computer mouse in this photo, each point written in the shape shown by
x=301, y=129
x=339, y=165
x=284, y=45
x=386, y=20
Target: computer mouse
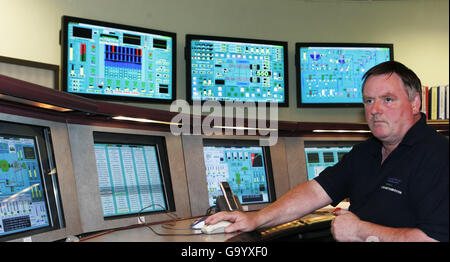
x=216, y=228
x=199, y=223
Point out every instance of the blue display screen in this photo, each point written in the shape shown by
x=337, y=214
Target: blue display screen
x=129, y=179
x=237, y=71
x=332, y=75
x=242, y=167
x=117, y=62
x=22, y=193
x=319, y=158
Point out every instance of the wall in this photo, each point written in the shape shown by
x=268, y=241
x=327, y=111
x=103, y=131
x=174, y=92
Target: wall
x=419, y=30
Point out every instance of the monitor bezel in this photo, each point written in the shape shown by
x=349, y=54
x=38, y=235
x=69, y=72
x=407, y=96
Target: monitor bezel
x=248, y=143
x=161, y=151
x=298, y=45
x=64, y=56
x=190, y=37
x=42, y=139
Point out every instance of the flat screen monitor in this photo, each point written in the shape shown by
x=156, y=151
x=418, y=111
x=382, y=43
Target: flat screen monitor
x=245, y=165
x=117, y=62
x=236, y=69
x=29, y=198
x=330, y=74
x=321, y=154
x=133, y=174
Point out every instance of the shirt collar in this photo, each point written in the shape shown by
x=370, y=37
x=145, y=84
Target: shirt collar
x=419, y=130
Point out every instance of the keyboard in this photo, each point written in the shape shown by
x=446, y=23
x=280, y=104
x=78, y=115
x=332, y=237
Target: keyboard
x=314, y=227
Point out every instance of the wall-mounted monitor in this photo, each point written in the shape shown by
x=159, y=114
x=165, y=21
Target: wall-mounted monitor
x=133, y=174
x=236, y=69
x=29, y=193
x=322, y=154
x=329, y=74
x=244, y=164
x=117, y=62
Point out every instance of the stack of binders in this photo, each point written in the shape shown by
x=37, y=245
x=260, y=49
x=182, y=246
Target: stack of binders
x=435, y=102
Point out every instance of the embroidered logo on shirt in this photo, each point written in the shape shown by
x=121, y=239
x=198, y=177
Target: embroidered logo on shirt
x=390, y=184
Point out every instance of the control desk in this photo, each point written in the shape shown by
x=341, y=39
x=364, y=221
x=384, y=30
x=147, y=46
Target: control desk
x=313, y=227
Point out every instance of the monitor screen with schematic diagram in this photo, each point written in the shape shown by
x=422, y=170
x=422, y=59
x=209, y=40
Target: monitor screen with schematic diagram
x=117, y=62
x=330, y=74
x=244, y=164
x=322, y=154
x=29, y=191
x=236, y=69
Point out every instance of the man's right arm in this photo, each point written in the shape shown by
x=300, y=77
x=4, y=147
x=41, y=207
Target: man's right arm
x=297, y=202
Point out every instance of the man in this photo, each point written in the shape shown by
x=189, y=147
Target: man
x=397, y=181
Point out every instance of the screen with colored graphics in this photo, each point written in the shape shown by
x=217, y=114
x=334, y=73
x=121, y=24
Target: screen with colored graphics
x=330, y=74
x=110, y=61
x=22, y=194
x=236, y=69
x=29, y=189
x=244, y=165
x=133, y=178
x=320, y=155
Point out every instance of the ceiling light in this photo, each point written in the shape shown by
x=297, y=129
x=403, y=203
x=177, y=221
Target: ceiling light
x=144, y=120
x=340, y=131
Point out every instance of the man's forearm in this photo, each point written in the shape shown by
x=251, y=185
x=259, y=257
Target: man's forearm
x=299, y=201
x=369, y=231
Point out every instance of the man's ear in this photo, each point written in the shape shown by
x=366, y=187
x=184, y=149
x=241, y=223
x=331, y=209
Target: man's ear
x=415, y=104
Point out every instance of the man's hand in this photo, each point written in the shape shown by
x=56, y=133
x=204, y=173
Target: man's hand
x=345, y=226
x=243, y=222
x=348, y=227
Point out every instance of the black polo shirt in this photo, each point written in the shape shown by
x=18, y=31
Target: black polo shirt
x=410, y=189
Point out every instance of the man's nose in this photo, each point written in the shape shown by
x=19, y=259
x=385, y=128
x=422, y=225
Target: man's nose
x=376, y=107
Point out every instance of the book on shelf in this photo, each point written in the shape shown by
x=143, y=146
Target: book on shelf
x=424, y=108
x=441, y=103
x=435, y=103
x=446, y=102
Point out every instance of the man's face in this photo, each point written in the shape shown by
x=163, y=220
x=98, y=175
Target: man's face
x=388, y=111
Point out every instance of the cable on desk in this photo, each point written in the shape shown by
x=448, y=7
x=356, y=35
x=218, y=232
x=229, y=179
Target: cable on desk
x=174, y=219
x=172, y=227
x=174, y=234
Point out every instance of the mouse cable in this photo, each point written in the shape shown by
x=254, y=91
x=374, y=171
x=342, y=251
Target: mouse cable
x=174, y=219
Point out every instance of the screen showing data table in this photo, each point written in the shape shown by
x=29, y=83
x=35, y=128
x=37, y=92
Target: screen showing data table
x=129, y=179
x=22, y=194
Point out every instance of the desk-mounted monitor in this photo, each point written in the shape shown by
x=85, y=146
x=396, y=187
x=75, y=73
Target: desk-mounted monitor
x=244, y=164
x=330, y=74
x=133, y=174
x=236, y=69
x=29, y=192
x=322, y=154
x=110, y=61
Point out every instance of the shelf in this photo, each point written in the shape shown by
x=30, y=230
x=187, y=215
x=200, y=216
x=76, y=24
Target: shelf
x=27, y=99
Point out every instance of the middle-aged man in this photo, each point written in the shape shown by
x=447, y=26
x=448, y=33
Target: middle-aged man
x=397, y=181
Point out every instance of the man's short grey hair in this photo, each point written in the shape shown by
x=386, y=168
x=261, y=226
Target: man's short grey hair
x=410, y=80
